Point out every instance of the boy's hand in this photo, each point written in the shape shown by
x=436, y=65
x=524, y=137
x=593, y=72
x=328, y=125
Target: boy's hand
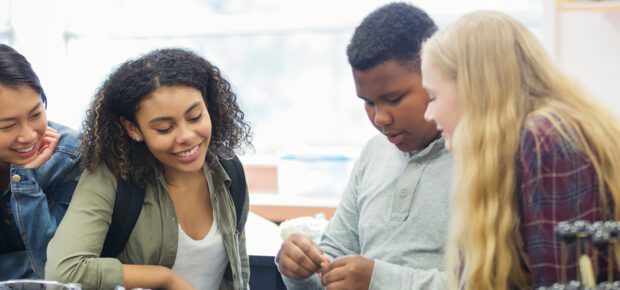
x=46, y=148
x=299, y=257
x=348, y=272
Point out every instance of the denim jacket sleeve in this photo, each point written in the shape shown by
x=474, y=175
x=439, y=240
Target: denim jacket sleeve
x=40, y=197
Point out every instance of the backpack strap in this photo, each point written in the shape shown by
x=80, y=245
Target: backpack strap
x=127, y=207
x=238, y=188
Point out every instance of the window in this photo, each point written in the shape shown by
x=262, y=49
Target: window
x=285, y=59
x=6, y=32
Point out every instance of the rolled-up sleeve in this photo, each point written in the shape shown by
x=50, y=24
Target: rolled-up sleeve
x=73, y=254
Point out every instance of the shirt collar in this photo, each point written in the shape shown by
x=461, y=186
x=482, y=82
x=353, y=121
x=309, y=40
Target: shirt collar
x=431, y=149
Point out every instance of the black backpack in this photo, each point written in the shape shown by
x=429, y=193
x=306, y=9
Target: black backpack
x=130, y=197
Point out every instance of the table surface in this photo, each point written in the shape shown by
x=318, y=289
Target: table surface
x=262, y=236
x=281, y=207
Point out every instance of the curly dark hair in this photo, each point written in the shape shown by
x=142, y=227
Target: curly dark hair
x=393, y=31
x=105, y=140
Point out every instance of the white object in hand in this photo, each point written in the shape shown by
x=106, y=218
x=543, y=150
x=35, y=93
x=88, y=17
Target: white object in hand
x=309, y=227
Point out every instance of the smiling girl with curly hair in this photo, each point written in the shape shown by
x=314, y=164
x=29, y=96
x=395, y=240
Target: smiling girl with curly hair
x=162, y=121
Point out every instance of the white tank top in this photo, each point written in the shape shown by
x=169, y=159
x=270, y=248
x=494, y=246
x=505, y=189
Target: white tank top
x=202, y=262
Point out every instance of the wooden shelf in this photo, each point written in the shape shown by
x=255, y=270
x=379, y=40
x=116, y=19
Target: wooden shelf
x=589, y=5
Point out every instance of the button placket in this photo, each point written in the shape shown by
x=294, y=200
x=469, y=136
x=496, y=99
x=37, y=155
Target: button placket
x=406, y=187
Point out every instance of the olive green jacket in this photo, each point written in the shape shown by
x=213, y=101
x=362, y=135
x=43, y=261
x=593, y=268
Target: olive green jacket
x=73, y=253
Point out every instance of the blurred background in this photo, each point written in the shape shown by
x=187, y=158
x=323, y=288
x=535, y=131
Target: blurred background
x=286, y=61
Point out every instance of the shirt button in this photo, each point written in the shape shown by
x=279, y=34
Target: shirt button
x=24, y=237
x=403, y=193
x=7, y=222
x=16, y=178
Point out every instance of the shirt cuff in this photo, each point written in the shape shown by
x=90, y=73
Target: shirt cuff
x=388, y=274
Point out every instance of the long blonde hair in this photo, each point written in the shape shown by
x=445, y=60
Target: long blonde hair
x=503, y=77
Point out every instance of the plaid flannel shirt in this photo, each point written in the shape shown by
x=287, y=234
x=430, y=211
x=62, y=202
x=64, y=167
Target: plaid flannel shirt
x=557, y=183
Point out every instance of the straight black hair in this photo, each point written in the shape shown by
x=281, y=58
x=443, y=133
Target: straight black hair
x=15, y=71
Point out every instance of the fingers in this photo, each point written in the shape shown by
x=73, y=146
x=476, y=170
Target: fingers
x=340, y=262
x=48, y=143
x=312, y=250
x=333, y=274
x=354, y=272
x=50, y=138
x=325, y=262
x=51, y=130
x=299, y=257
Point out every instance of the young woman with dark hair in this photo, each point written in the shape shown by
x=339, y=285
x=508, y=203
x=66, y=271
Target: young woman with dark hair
x=161, y=121
x=39, y=169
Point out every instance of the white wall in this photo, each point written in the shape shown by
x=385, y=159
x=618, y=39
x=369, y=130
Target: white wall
x=587, y=47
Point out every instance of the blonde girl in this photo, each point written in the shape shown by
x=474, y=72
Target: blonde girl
x=531, y=149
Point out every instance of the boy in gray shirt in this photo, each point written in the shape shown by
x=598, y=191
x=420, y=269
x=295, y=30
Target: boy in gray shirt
x=390, y=227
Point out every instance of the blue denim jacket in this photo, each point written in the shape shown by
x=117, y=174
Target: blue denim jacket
x=39, y=199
